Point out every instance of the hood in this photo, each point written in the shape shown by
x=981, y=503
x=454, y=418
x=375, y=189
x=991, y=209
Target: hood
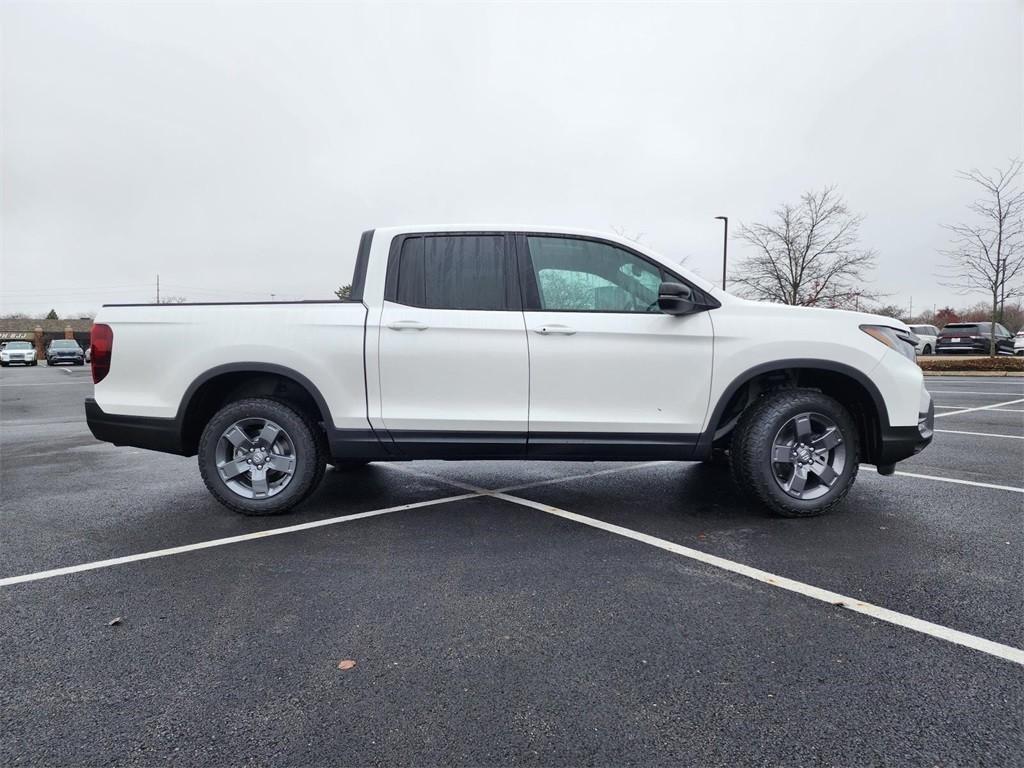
x=811, y=313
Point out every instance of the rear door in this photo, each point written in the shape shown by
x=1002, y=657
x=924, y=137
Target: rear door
x=610, y=375
x=453, y=360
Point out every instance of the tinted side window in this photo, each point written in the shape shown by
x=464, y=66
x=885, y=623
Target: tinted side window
x=584, y=276
x=453, y=272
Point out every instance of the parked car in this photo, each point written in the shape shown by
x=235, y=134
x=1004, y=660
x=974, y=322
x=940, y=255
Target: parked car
x=21, y=352
x=927, y=335
x=64, y=351
x=973, y=339
x=1018, y=343
x=483, y=343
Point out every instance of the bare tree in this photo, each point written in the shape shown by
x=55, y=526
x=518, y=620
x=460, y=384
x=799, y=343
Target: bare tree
x=987, y=254
x=808, y=255
x=344, y=292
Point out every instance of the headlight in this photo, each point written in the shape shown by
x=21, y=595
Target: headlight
x=901, y=341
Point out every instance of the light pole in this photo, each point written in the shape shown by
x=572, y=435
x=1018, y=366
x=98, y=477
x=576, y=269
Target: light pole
x=725, y=247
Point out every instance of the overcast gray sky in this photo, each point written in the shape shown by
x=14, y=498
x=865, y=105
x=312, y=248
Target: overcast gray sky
x=238, y=150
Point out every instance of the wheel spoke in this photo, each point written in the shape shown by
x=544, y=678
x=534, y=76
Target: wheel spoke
x=238, y=438
x=284, y=464
x=825, y=473
x=827, y=441
x=259, y=482
x=230, y=469
x=803, y=427
x=782, y=454
x=797, y=482
x=269, y=433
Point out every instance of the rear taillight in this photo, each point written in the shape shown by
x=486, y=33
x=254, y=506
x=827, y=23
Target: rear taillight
x=101, y=340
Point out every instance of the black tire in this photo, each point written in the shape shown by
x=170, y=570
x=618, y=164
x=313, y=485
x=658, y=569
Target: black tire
x=35, y=362
x=927, y=349
x=754, y=438
x=305, y=437
x=48, y=361
x=4, y=365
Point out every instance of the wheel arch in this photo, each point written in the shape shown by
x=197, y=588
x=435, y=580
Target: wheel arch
x=847, y=384
x=231, y=381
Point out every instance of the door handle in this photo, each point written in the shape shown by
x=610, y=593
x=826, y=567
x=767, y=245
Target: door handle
x=546, y=330
x=407, y=325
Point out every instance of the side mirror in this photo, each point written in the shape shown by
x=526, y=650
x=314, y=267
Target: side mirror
x=676, y=299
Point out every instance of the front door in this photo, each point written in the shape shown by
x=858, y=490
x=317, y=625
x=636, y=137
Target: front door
x=610, y=375
x=453, y=360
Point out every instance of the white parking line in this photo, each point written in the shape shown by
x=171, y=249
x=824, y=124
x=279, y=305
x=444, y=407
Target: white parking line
x=39, y=575
x=957, y=481
x=980, y=408
x=979, y=434
x=474, y=492
x=967, y=407
x=966, y=392
x=1007, y=652
x=938, y=631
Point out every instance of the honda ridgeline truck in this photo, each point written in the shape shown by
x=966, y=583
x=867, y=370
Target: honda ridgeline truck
x=511, y=343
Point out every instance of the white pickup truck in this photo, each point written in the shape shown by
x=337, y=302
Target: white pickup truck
x=511, y=343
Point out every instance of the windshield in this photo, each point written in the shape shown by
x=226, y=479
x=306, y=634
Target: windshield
x=18, y=345
x=64, y=344
x=922, y=330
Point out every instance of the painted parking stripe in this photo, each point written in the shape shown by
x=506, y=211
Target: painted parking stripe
x=473, y=492
x=980, y=408
x=999, y=410
x=957, y=481
x=938, y=631
x=1007, y=652
x=40, y=575
x=967, y=392
x=979, y=434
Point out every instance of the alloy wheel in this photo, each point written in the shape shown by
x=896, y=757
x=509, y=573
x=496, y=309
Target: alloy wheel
x=255, y=458
x=808, y=455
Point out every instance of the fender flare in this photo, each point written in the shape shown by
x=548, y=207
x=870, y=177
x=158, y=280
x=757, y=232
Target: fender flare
x=279, y=370
x=704, y=444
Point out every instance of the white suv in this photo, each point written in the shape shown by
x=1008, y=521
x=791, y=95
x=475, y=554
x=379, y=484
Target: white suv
x=927, y=335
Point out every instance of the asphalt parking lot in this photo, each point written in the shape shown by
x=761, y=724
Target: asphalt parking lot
x=600, y=614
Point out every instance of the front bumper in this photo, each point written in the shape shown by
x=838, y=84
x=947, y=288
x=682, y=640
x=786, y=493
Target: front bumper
x=137, y=431
x=899, y=443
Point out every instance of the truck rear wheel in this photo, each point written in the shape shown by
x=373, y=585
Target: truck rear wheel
x=260, y=457
x=796, y=451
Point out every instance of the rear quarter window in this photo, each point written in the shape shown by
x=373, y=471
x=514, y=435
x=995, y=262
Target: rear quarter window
x=453, y=272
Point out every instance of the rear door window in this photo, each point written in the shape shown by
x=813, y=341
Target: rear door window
x=454, y=272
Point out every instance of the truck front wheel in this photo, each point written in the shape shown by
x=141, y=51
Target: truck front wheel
x=796, y=451
x=260, y=457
